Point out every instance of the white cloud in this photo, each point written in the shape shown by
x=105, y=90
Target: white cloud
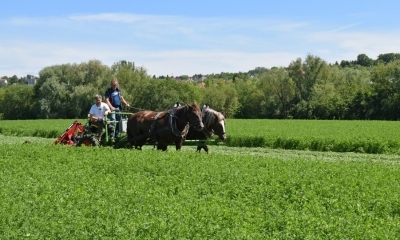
x=110, y=17
x=168, y=45
x=370, y=43
x=35, y=56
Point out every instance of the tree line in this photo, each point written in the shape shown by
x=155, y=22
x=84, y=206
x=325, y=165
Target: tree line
x=308, y=88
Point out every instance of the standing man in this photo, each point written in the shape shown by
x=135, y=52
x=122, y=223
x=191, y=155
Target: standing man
x=114, y=100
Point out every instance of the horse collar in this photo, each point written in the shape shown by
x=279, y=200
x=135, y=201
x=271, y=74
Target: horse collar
x=174, y=128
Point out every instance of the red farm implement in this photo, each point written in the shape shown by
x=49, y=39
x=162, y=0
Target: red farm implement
x=79, y=134
x=71, y=135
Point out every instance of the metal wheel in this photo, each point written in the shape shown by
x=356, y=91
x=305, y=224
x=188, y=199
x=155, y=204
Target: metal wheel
x=88, y=141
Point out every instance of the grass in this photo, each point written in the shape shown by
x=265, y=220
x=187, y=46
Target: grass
x=374, y=137
x=232, y=193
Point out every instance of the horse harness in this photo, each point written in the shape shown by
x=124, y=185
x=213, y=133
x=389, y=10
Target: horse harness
x=205, y=130
x=171, y=125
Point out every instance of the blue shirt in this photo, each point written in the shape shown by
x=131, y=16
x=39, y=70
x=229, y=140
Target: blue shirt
x=114, y=97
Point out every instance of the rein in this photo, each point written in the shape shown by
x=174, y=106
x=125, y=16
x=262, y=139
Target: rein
x=172, y=119
x=172, y=123
x=173, y=115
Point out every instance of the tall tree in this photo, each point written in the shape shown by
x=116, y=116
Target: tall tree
x=222, y=96
x=130, y=78
x=279, y=91
x=250, y=99
x=18, y=102
x=57, y=85
x=306, y=74
x=364, y=60
x=388, y=57
x=13, y=80
x=52, y=99
x=385, y=80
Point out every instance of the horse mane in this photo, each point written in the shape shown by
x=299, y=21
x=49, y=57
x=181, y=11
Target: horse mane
x=195, y=106
x=210, y=115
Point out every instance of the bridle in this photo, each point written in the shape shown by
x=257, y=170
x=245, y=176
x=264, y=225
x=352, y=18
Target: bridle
x=208, y=133
x=192, y=122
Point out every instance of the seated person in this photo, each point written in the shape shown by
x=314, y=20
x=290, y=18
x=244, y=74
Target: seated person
x=97, y=112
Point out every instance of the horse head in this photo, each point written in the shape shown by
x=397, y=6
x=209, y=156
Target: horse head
x=214, y=123
x=193, y=115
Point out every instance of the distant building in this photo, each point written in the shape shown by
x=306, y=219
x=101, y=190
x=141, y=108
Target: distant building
x=3, y=82
x=31, y=80
x=185, y=78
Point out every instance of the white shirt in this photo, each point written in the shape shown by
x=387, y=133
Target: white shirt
x=99, y=111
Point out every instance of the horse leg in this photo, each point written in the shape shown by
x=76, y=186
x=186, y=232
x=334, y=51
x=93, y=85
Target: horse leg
x=134, y=144
x=131, y=140
x=178, y=144
x=130, y=143
x=205, y=147
x=162, y=145
x=199, y=149
x=138, y=147
x=202, y=145
x=140, y=143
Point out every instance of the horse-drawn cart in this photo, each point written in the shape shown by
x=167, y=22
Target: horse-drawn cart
x=78, y=134
x=151, y=128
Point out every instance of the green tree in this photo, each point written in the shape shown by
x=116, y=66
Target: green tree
x=385, y=80
x=222, y=96
x=257, y=72
x=144, y=99
x=58, y=87
x=354, y=85
x=18, y=102
x=345, y=63
x=388, y=57
x=159, y=95
x=80, y=101
x=130, y=80
x=13, y=80
x=279, y=92
x=305, y=75
x=364, y=60
x=122, y=65
x=52, y=99
x=250, y=99
x=325, y=101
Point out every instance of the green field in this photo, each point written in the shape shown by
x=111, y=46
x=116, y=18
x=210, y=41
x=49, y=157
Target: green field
x=232, y=193
x=61, y=192
x=315, y=135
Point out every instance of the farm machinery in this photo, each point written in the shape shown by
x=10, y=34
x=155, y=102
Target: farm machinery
x=78, y=134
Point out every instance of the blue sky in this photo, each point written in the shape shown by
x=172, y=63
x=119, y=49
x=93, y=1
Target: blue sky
x=192, y=37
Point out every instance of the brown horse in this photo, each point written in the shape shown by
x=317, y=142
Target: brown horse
x=214, y=123
x=163, y=127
